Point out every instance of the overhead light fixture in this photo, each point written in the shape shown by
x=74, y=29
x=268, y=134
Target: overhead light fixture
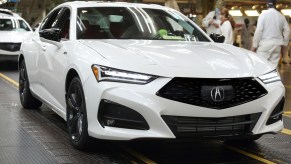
x=255, y=7
x=192, y=15
x=252, y=13
x=235, y=13
x=286, y=12
x=279, y=6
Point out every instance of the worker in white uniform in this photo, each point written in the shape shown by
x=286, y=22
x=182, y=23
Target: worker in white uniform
x=227, y=26
x=271, y=34
x=212, y=22
x=286, y=51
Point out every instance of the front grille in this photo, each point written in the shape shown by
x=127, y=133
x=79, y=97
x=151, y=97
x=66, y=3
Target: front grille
x=213, y=93
x=10, y=46
x=184, y=127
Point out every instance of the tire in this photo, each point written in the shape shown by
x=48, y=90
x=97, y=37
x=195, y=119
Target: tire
x=77, y=115
x=26, y=98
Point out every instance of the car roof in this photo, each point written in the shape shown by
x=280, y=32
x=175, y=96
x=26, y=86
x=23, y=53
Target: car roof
x=4, y=13
x=78, y=4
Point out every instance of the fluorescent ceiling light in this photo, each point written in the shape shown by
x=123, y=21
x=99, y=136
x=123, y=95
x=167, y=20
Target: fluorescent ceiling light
x=235, y=13
x=286, y=12
x=192, y=15
x=252, y=13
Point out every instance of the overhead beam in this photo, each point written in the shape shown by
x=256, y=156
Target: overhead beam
x=252, y=2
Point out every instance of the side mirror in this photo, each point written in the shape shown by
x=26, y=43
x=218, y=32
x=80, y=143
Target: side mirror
x=53, y=34
x=217, y=38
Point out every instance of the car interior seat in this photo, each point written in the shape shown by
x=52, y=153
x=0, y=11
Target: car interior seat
x=85, y=23
x=116, y=29
x=66, y=30
x=94, y=32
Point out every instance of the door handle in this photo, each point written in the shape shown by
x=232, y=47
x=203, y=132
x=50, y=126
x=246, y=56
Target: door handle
x=43, y=48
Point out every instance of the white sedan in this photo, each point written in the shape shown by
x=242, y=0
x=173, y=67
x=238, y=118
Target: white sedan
x=122, y=71
x=12, y=31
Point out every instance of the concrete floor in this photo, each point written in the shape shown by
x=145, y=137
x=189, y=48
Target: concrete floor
x=40, y=136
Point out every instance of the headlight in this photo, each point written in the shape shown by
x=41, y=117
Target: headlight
x=116, y=75
x=270, y=77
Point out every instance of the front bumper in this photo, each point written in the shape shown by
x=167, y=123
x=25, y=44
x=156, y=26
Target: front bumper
x=9, y=56
x=143, y=99
x=4, y=52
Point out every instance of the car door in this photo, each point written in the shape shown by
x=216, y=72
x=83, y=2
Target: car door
x=37, y=60
x=56, y=59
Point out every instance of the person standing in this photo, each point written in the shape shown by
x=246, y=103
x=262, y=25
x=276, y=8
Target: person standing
x=271, y=34
x=246, y=35
x=212, y=22
x=227, y=26
x=286, y=51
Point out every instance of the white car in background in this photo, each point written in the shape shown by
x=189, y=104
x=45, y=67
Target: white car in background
x=122, y=71
x=12, y=31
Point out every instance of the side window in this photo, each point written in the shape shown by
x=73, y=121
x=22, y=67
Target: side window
x=64, y=24
x=23, y=25
x=176, y=26
x=51, y=20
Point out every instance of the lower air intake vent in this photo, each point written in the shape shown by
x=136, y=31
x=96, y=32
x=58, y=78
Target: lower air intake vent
x=116, y=115
x=10, y=46
x=184, y=127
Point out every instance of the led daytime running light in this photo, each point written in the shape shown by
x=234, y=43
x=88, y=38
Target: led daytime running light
x=270, y=77
x=115, y=75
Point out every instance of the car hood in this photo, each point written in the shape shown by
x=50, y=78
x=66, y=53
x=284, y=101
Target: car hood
x=13, y=36
x=179, y=59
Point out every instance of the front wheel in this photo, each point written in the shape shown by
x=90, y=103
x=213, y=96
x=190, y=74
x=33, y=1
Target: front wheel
x=26, y=98
x=77, y=115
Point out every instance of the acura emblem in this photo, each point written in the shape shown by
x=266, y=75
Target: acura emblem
x=217, y=94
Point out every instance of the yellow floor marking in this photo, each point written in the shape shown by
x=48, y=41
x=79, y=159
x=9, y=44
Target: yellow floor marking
x=249, y=155
x=13, y=82
x=287, y=115
x=288, y=112
x=286, y=131
x=139, y=156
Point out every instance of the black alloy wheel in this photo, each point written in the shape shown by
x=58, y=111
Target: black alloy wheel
x=76, y=115
x=26, y=98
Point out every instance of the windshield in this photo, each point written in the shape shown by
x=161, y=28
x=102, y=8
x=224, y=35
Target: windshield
x=135, y=23
x=8, y=24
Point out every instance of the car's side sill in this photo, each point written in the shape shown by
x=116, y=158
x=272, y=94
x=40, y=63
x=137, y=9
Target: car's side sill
x=53, y=107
